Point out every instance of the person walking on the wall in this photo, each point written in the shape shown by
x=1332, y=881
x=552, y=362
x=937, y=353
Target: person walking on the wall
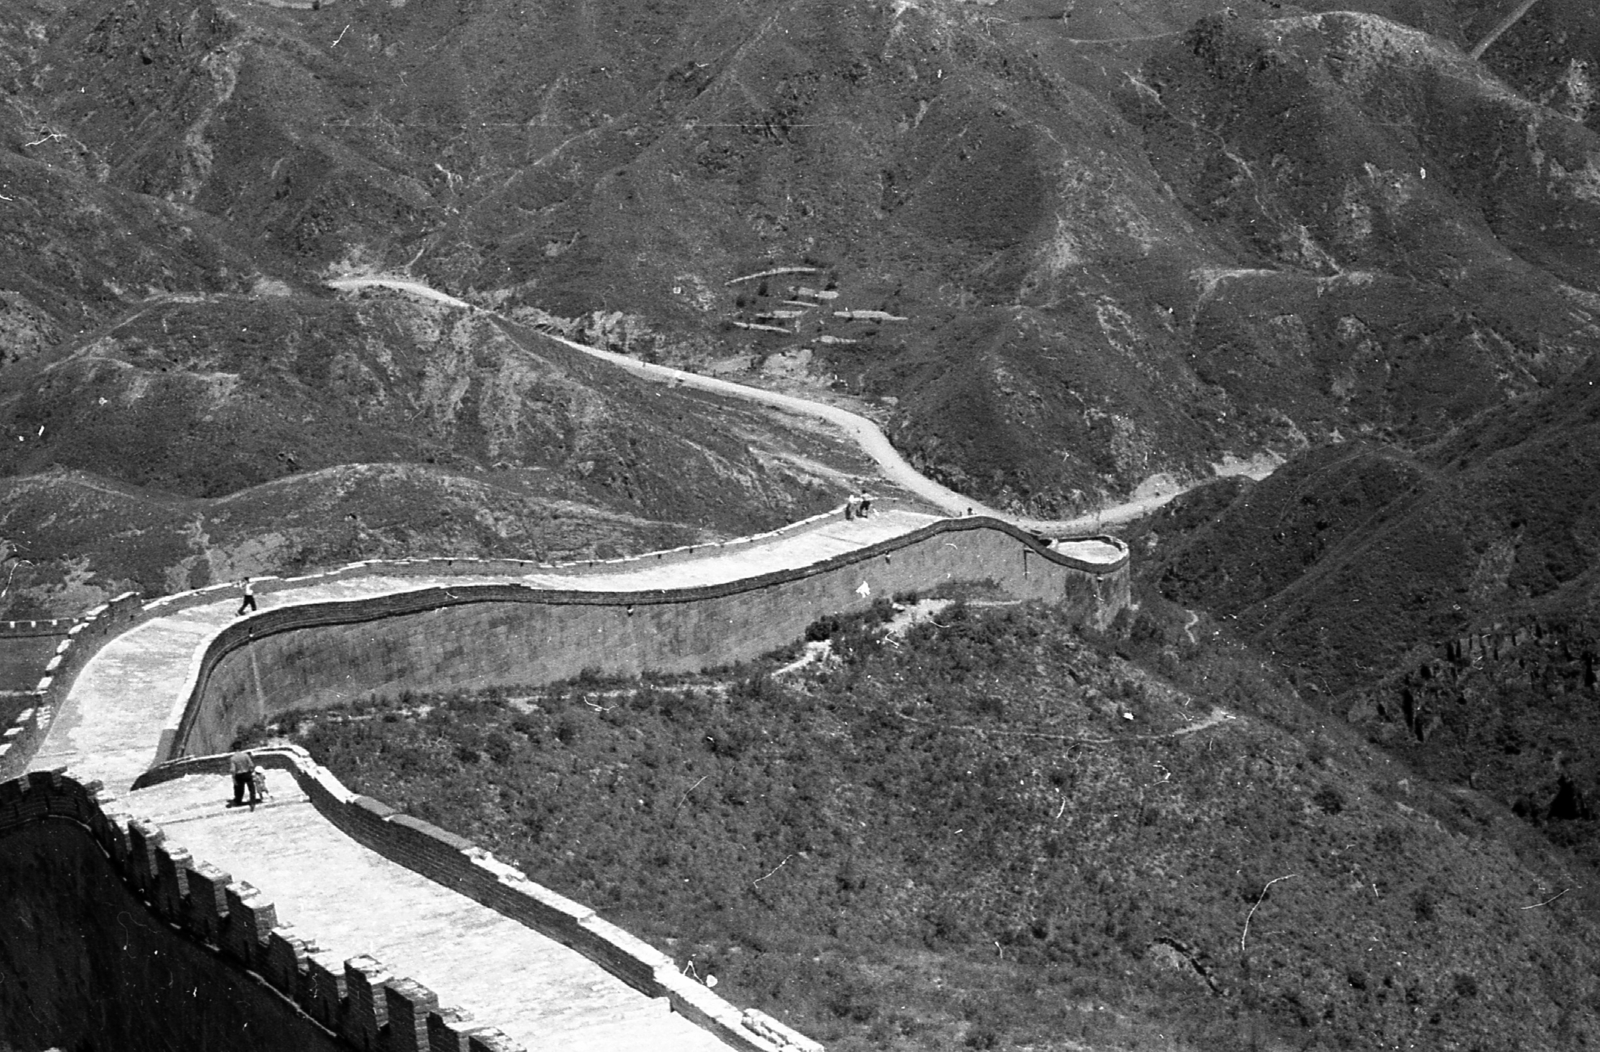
x=249, y=602
x=243, y=766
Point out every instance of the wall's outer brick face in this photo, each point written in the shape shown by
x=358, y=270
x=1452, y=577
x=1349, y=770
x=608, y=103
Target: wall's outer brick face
x=435, y=640
x=200, y=902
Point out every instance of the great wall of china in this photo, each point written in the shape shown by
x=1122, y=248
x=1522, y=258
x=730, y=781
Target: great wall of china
x=390, y=914
x=474, y=955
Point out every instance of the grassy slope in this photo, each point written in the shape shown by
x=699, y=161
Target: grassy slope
x=1051, y=216
x=958, y=840
x=372, y=425
x=1349, y=557
x=82, y=539
x=1362, y=567
x=1115, y=259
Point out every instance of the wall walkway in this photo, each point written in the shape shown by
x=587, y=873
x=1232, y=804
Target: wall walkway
x=189, y=673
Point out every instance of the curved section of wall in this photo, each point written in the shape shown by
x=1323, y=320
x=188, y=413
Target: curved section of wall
x=84, y=637
x=85, y=962
x=464, y=867
x=171, y=952
x=316, y=655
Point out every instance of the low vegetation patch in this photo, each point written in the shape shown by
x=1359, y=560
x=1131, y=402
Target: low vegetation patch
x=993, y=830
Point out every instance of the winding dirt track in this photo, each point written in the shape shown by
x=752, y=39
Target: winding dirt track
x=861, y=430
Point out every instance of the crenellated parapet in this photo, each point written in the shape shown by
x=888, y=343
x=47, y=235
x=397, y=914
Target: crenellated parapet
x=80, y=639
x=451, y=860
x=358, y=1000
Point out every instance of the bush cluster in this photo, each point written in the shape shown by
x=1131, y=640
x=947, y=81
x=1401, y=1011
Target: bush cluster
x=955, y=838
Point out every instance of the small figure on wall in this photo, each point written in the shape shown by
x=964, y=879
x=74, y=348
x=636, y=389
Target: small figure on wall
x=243, y=766
x=249, y=602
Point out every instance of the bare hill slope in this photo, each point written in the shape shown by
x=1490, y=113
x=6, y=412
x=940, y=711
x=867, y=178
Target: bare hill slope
x=1120, y=242
x=1446, y=602
x=1062, y=247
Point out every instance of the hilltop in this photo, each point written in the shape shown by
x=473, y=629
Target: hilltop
x=1060, y=248
x=230, y=434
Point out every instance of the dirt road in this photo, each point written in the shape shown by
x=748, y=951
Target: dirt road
x=861, y=430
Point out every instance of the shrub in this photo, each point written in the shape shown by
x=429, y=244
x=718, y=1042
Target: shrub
x=726, y=741
x=683, y=707
x=822, y=628
x=499, y=747
x=868, y=820
x=1424, y=904
x=982, y=1037
x=1146, y=629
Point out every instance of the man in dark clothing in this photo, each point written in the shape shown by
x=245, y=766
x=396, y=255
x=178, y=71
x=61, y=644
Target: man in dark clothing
x=243, y=766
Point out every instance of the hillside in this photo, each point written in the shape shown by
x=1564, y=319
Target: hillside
x=1331, y=786
x=1348, y=557
x=1445, y=602
x=1092, y=244
x=84, y=539
x=955, y=838
x=198, y=438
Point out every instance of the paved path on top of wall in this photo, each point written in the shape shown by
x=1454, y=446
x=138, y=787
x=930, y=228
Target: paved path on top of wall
x=110, y=724
x=350, y=899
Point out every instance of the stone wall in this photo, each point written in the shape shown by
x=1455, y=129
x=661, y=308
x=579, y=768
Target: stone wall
x=56, y=626
x=431, y=638
x=112, y=940
x=316, y=655
x=81, y=640
x=464, y=867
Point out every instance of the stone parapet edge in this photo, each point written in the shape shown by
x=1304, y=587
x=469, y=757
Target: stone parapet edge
x=241, y=633
x=466, y=868
x=83, y=640
x=43, y=626
x=86, y=634
x=479, y=567
x=471, y=566
x=356, y=1000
